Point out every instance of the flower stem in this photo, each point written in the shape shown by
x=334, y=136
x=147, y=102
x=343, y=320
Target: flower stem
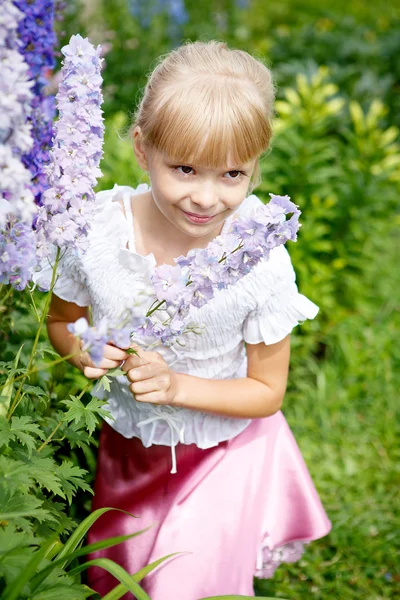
x=52, y=434
x=6, y=296
x=150, y=312
x=85, y=389
x=45, y=366
x=36, y=341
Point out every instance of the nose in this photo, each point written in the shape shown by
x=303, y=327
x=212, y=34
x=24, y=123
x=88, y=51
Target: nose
x=205, y=196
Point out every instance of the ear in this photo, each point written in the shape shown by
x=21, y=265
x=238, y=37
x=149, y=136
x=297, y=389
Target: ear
x=139, y=149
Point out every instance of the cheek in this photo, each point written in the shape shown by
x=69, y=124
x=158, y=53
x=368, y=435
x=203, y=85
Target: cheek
x=234, y=198
x=170, y=191
x=165, y=193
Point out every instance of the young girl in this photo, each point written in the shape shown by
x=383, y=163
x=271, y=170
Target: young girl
x=238, y=499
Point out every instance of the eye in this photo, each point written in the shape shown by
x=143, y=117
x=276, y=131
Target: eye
x=185, y=169
x=235, y=174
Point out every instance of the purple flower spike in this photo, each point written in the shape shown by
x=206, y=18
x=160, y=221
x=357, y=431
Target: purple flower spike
x=15, y=108
x=37, y=41
x=64, y=220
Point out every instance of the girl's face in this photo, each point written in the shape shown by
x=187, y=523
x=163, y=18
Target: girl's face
x=194, y=199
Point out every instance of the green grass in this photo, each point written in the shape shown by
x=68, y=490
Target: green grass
x=344, y=413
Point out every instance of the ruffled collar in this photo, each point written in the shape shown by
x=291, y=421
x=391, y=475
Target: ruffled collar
x=128, y=255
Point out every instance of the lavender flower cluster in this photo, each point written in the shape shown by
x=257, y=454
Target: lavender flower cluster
x=195, y=277
x=17, y=253
x=37, y=36
x=68, y=205
x=15, y=132
x=17, y=206
x=226, y=259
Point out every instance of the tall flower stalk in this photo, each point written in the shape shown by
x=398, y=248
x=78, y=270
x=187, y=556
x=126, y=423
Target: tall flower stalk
x=34, y=37
x=15, y=108
x=17, y=206
x=68, y=205
x=38, y=38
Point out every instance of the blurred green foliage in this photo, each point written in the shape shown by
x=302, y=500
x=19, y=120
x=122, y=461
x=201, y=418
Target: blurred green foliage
x=336, y=153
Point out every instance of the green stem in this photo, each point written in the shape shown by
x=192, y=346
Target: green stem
x=34, y=304
x=85, y=389
x=56, y=428
x=150, y=312
x=36, y=341
x=45, y=366
x=6, y=296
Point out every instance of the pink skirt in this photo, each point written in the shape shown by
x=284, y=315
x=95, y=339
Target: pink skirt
x=236, y=511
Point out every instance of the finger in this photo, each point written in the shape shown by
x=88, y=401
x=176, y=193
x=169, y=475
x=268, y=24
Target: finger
x=152, y=397
x=145, y=386
x=114, y=353
x=110, y=351
x=105, y=363
x=135, y=361
x=93, y=372
x=141, y=373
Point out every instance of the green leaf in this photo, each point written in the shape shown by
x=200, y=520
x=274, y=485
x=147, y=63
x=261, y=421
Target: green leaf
x=77, y=436
x=71, y=479
x=65, y=560
x=117, y=372
x=83, y=528
x=35, y=390
x=13, y=590
x=68, y=591
x=16, y=505
x=5, y=432
x=17, y=430
x=11, y=538
x=108, y=543
x=14, y=473
x=115, y=570
x=88, y=413
x=16, y=549
x=13, y=563
x=42, y=350
x=120, y=589
x=104, y=382
x=43, y=470
x=7, y=391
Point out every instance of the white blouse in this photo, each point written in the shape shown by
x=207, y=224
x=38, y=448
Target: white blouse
x=263, y=306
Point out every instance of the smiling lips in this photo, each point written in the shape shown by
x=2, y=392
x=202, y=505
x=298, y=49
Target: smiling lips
x=198, y=218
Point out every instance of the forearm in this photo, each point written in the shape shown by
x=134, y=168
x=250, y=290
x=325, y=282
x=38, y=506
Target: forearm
x=241, y=398
x=64, y=342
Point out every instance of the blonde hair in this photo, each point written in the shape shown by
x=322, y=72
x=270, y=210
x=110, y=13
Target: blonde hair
x=204, y=101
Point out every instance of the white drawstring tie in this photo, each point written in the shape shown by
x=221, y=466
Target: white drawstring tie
x=173, y=426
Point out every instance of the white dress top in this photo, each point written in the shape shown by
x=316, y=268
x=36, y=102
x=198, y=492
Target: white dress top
x=263, y=306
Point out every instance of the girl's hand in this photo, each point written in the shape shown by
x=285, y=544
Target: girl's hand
x=152, y=379
x=113, y=357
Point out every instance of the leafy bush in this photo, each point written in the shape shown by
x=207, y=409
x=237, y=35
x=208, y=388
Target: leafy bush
x=342, y=168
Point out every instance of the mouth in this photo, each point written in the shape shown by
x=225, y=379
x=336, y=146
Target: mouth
x=194, y=218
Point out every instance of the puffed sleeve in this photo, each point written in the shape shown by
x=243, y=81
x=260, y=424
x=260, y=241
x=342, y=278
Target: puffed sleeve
x=277, y=304
x=70, y=284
